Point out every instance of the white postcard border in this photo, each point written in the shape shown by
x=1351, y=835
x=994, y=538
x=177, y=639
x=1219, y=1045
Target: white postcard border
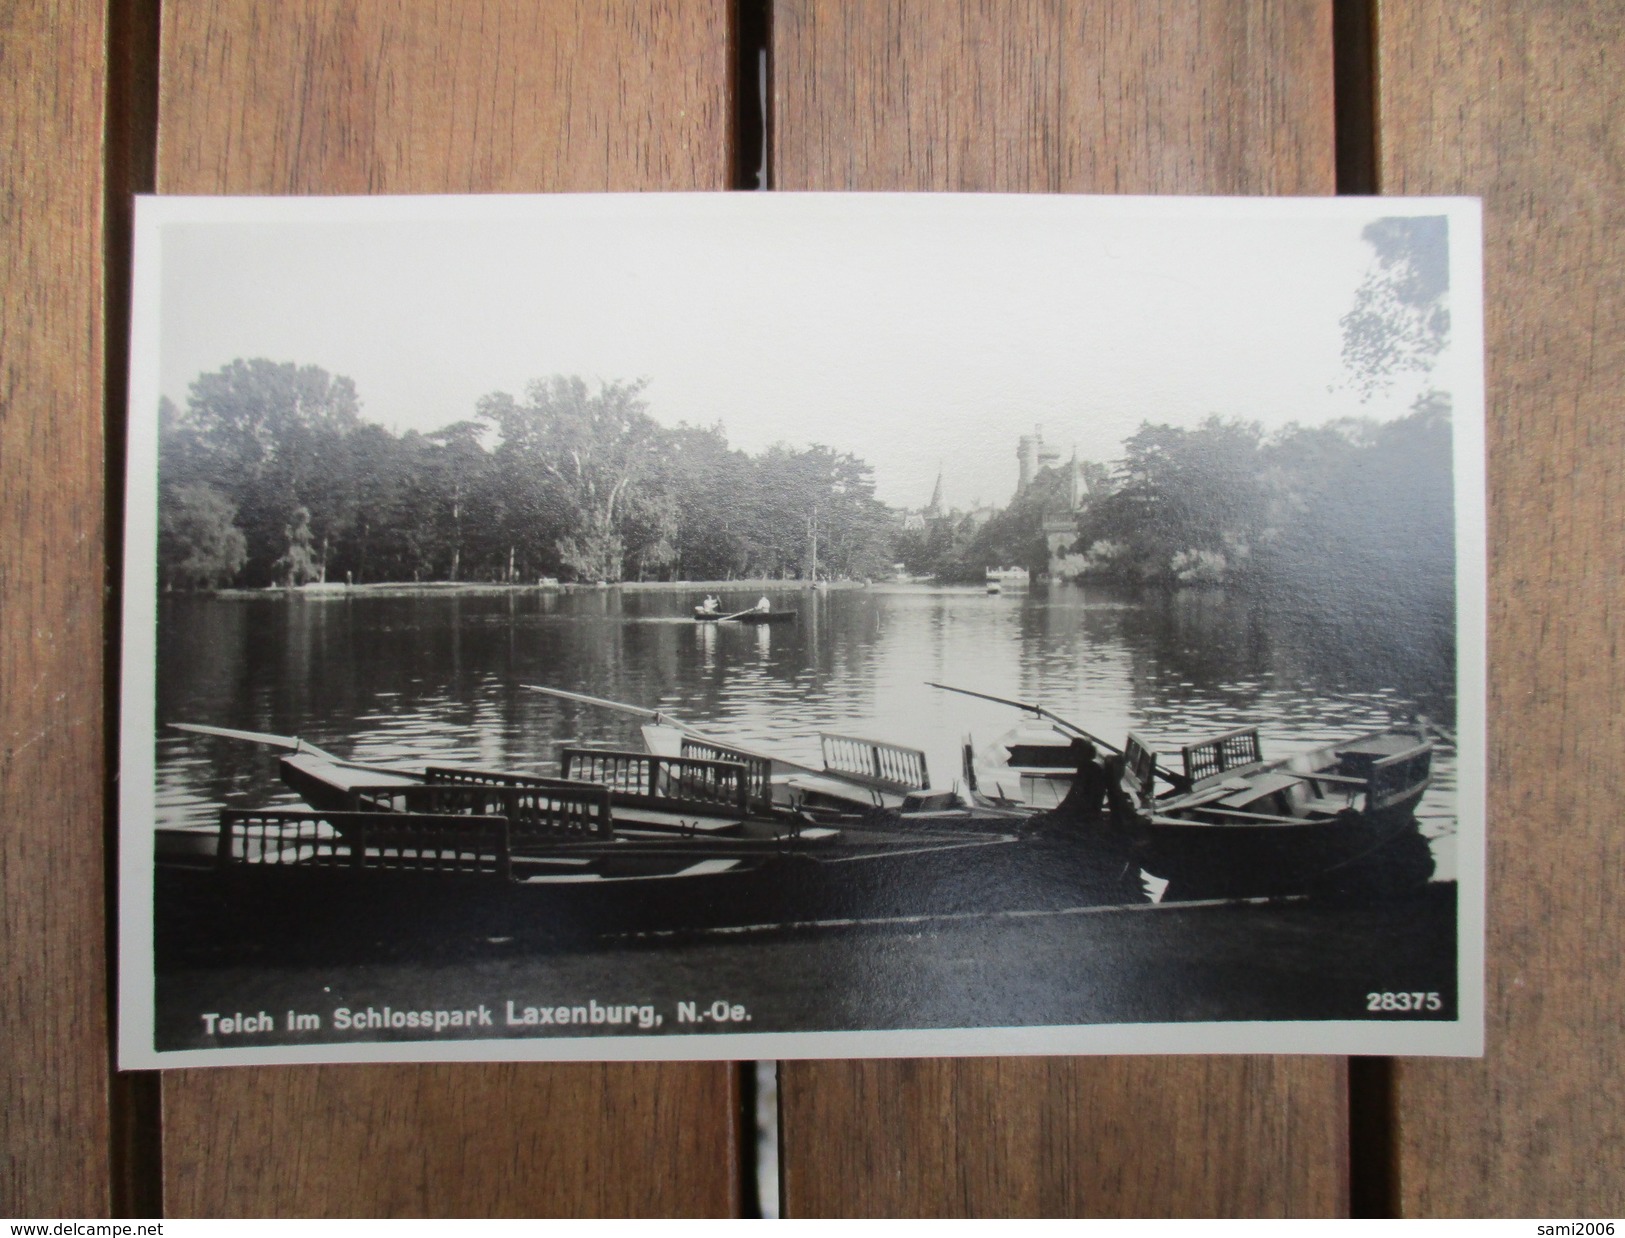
x=136, y=1015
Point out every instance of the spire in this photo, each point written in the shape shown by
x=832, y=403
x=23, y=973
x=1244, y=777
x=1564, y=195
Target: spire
x=935, y=509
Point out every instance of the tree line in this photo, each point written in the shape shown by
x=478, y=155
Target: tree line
x=1223, y=503
x=1354, y=505
x=270, y=476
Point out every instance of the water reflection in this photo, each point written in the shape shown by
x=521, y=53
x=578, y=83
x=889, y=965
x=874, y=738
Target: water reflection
x=440, y=674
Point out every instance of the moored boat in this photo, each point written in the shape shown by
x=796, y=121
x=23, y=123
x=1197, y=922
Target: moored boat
x=1337, y=820
x=624, y=842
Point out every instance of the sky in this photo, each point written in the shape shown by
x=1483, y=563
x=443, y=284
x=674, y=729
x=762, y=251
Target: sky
x=920, y=332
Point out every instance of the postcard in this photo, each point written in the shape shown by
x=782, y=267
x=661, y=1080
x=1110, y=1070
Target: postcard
x=752, y=626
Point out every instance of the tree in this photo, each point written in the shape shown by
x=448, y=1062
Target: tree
x=199, y=543
x=458, y=466
x=577, y=480
x=1012, y=538
x=1187, y=504
x=272, y=436
x=593, y=450
x=385, y=537
x=298, y=564
x=1401, y=315
x=705, y=480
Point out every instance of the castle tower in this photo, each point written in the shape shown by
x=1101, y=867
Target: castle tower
x=1028, y=452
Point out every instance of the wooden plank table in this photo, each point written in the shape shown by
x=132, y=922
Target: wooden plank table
x=1030, y=98
x=1520, y=103
x=334, y=97
x=54, y=1104
x=1514, y=101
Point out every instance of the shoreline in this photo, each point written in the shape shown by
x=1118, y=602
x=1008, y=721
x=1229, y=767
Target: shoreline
x=385, y=588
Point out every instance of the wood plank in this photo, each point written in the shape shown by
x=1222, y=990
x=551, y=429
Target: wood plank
x=334, y=97
x=1046, y=96
x=1042, y=96
x=587, y=1139
x=53, y=1018
x=1078, y=1137
x=1520, y=102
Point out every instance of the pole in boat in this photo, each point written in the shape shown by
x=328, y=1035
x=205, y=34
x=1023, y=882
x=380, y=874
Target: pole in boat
x=1173, y=779
x=1033, y=709
x=658, y=717
x=287, y=743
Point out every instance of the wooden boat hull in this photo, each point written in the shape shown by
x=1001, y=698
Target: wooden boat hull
x=230, y=915
x=1339, y=820
x=406, y=863
x=495, y=856
x=1351, y=856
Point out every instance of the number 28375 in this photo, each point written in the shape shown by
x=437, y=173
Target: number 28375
x=1403, y=1001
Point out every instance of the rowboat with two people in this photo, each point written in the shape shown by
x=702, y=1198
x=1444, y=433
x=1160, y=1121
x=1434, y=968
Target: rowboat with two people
x=710, y=611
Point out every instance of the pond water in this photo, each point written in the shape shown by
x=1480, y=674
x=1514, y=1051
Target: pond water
x=411, y=675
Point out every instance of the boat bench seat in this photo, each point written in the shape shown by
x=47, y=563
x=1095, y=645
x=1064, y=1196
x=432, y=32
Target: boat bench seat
x=931, y=801
x=817, y=788
x=1325, y=805
x=1251, y=790
x=1321, y=796
x=675, y=822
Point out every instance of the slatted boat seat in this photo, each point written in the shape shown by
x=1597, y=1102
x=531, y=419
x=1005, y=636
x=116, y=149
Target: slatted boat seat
x=871, y=763
x=684, y=788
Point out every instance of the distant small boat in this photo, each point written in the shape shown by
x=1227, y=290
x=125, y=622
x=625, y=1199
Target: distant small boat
x=701, y=615
x=993, y=586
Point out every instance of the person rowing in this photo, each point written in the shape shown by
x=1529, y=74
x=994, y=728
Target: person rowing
x=763, y=605
x=712, y=604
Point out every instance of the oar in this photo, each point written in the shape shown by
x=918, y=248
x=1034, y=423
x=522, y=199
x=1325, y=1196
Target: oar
x=658, y=717
x=738, y=614
x=1428, y=724
x=287, y=743
x=1415, y=717
x=1033, y=709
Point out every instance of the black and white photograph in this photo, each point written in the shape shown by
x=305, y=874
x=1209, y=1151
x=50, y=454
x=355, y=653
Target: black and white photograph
x=769, y=626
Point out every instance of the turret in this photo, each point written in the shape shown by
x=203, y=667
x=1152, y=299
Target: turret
x=1028, y=453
